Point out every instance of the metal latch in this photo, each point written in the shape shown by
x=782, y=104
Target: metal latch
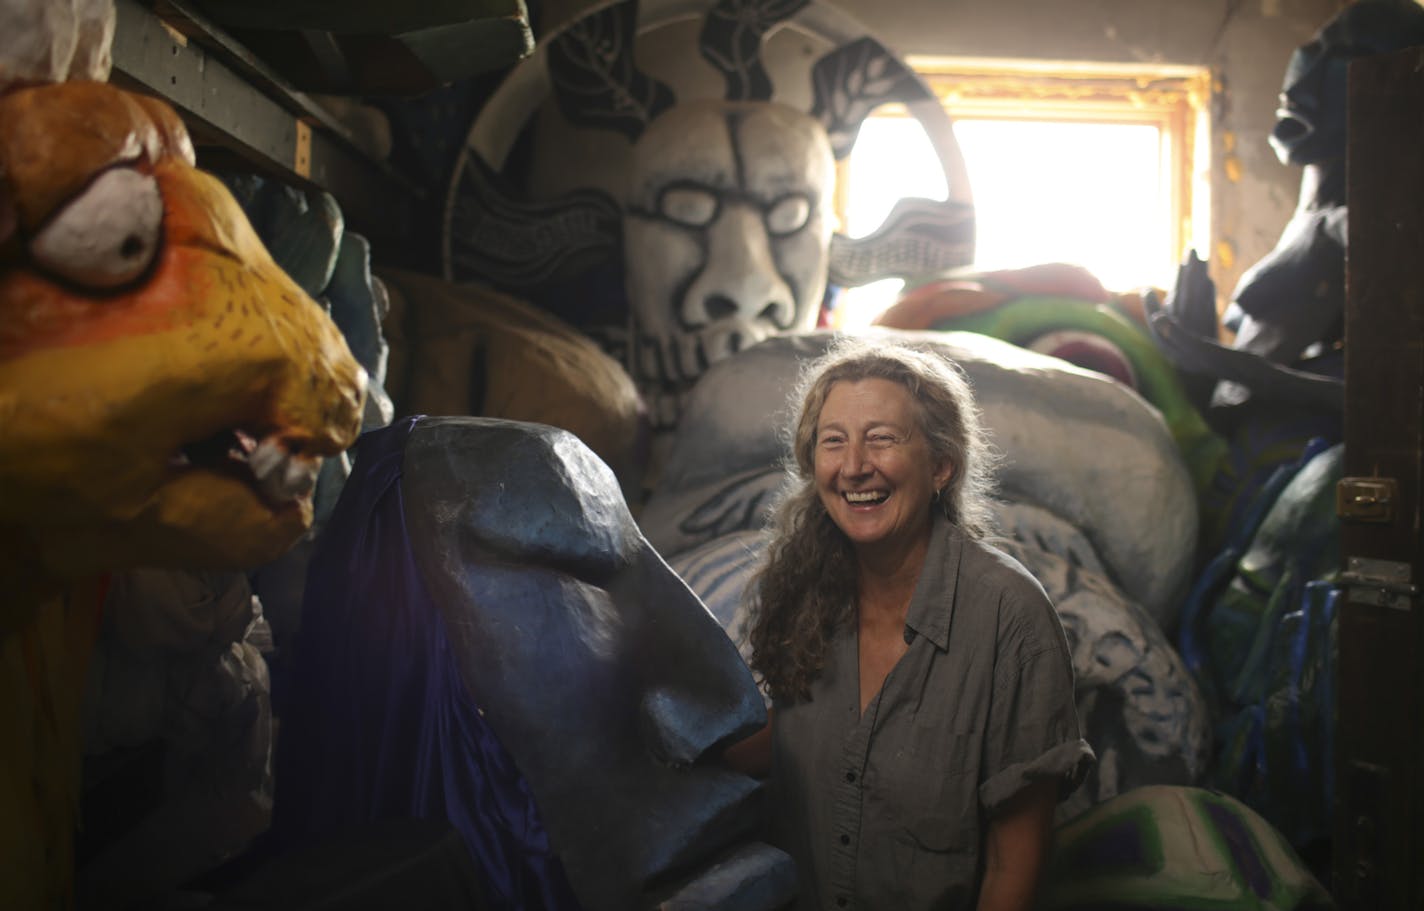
x=1366, y=499
x=1383, y=583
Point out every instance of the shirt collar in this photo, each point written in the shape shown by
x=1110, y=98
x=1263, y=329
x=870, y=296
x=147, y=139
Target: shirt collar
x=932, y=605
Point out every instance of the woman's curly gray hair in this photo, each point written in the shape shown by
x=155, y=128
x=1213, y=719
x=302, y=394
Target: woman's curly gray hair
x=805, y=590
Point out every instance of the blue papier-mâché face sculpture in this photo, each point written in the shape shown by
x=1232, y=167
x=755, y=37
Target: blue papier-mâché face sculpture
x=603, y=676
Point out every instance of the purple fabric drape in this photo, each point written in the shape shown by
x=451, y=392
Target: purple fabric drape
x=377, y=722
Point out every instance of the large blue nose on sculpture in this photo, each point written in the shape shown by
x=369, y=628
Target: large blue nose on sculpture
x=679, y=726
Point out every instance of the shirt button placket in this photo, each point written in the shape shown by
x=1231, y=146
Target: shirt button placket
x=845, y=817
x=843, y=839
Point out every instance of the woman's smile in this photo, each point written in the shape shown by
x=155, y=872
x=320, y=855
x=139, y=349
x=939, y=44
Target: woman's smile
x=866, y=498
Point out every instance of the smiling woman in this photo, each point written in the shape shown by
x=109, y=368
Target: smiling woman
x=923, y=725
x=874, y=472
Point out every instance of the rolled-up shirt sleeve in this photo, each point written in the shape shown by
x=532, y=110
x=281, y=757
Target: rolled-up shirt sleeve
x=1032, y=731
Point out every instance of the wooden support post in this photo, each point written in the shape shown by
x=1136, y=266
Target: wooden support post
x=1379, y=826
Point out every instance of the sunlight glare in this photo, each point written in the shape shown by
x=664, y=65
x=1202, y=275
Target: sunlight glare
x=1085, y=193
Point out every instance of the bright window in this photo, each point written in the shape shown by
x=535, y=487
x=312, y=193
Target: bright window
x=1104, y=167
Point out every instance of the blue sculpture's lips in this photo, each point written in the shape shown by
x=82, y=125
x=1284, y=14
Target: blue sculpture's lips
x=751, y=877
x=724, y=865
x=700, y=814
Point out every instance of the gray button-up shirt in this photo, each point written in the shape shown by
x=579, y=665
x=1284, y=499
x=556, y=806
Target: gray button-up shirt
x=888, y=809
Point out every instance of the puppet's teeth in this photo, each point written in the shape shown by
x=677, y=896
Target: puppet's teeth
x=245, y=441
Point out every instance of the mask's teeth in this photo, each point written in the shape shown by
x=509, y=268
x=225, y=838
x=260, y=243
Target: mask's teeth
x=245, y=442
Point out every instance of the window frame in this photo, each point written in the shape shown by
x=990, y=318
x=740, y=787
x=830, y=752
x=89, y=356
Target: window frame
x=1174, y=98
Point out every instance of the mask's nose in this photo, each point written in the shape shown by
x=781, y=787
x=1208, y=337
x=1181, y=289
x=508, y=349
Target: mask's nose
x=740, y=279
x=679, y=725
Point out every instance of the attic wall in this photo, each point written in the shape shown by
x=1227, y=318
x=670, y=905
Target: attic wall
x=1246, y=43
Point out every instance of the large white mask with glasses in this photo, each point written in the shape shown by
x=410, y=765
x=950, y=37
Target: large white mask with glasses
x=708, y=177
x=727, y=227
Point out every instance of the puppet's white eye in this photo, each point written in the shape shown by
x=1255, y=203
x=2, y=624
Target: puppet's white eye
x=788, y=214
x=106, y=236
x=693, y=207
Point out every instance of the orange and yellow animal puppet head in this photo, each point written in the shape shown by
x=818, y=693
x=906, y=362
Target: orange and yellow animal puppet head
x=166, y=392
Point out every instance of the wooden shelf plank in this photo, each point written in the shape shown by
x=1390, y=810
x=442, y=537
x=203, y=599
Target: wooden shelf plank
x=239, y=109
